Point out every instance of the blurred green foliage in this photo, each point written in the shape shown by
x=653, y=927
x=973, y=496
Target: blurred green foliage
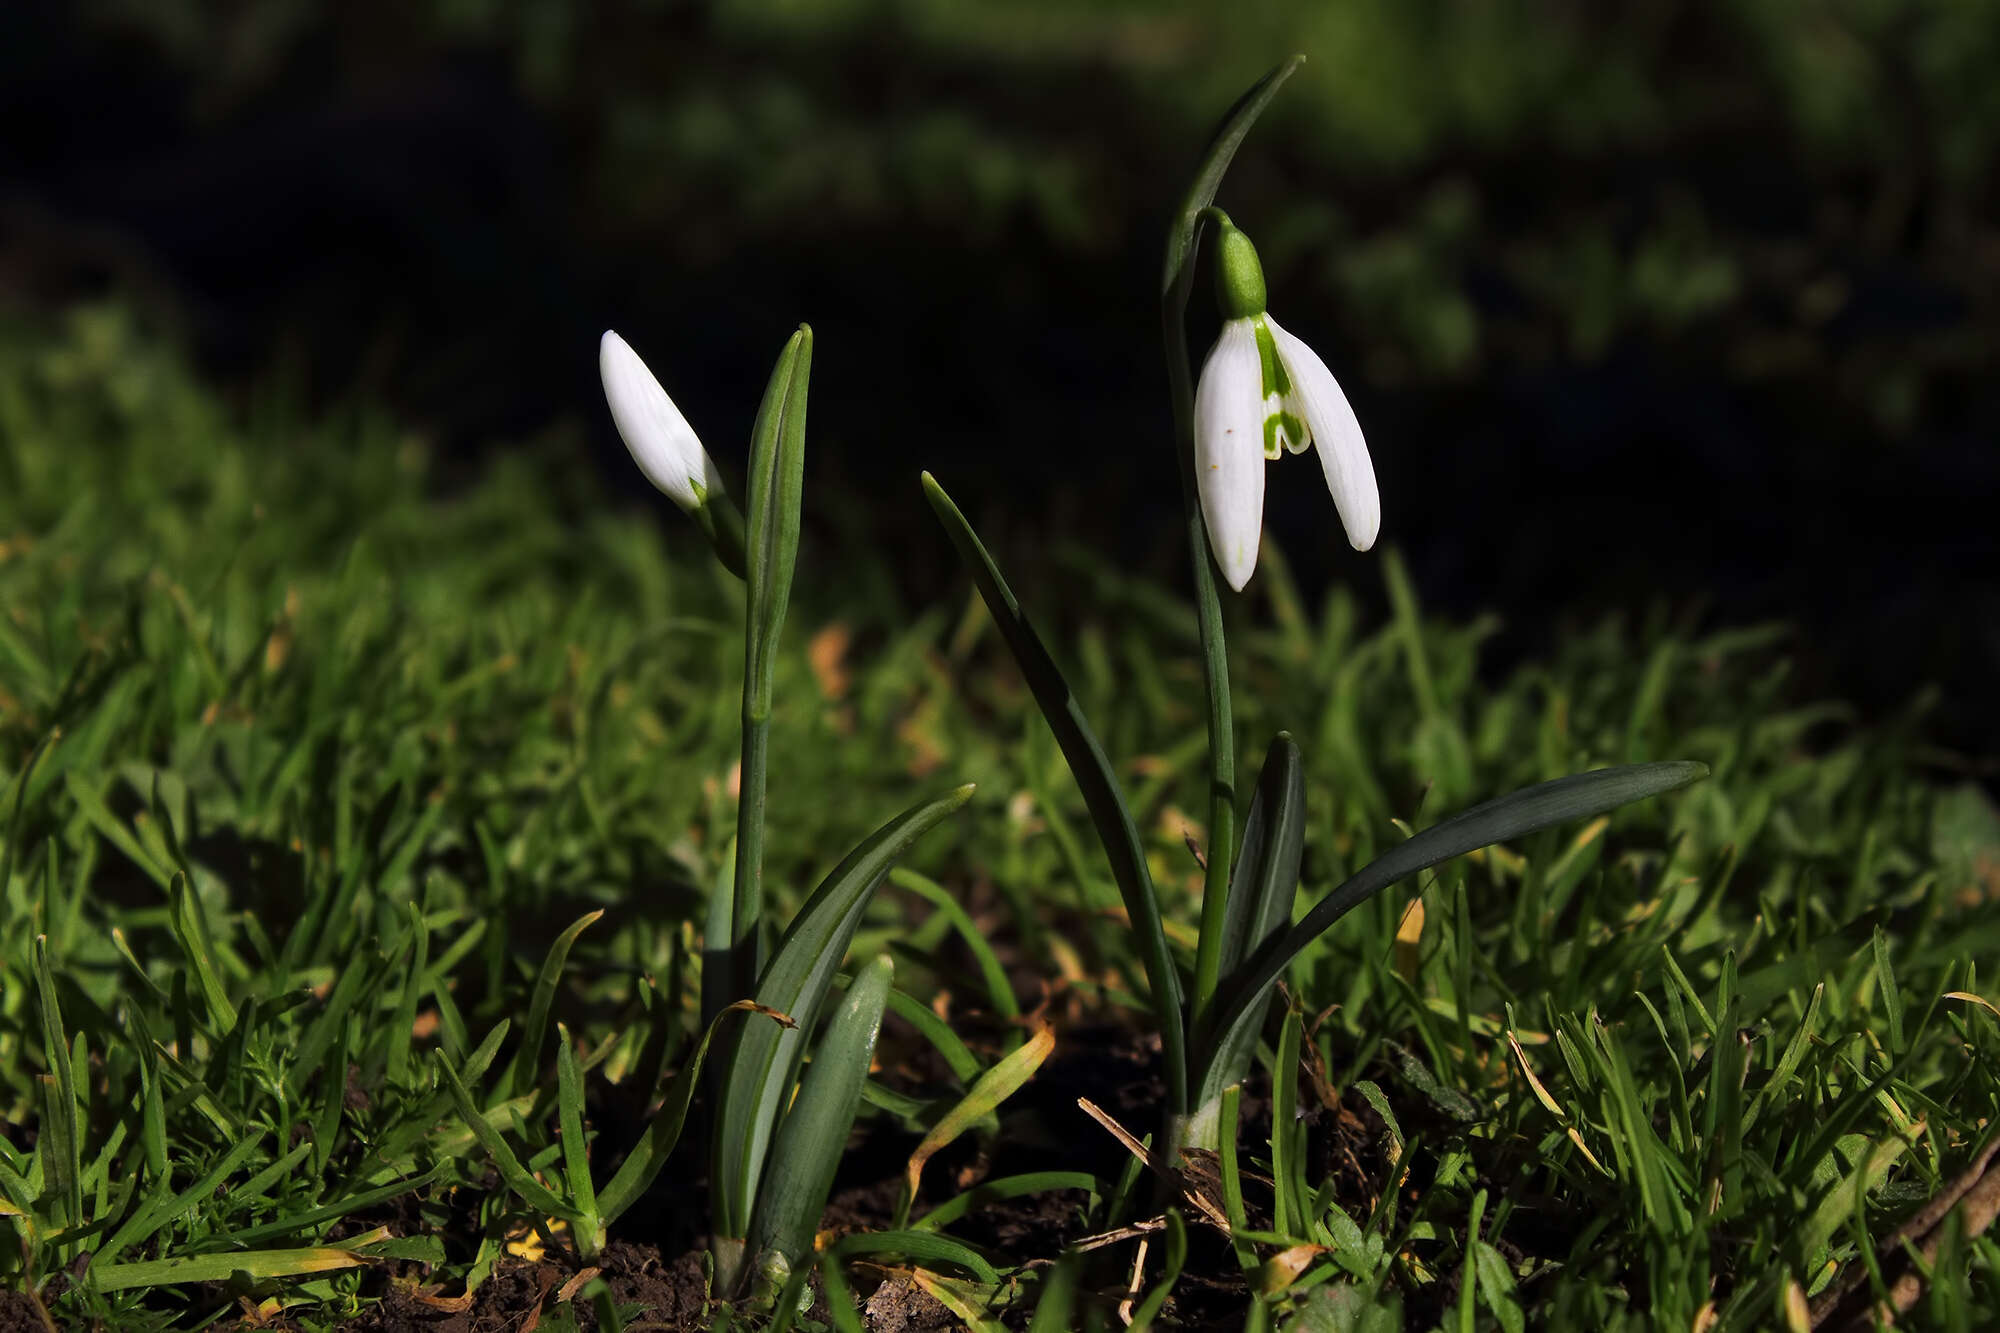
x=1463, y=182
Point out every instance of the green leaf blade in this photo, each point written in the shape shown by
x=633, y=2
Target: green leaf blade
x=809, y=1144
x=795, y=982
x=1578, y=796
x=1102, y=794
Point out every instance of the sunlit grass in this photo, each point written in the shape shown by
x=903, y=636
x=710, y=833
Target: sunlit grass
x=306, y=757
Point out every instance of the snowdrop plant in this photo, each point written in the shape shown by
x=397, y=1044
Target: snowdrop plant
x=774, y=1134
x=1262, y=393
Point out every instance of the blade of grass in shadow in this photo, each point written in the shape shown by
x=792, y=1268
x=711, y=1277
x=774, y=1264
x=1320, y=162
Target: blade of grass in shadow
x=840, y=1304
x=528, y=1058
x=995, y=1086
x=190, y=925
x=763, y=1061
x=1101, y=793
x=1578, y=796
x=1177, y=282
x=999, y=993
x=809, y=1144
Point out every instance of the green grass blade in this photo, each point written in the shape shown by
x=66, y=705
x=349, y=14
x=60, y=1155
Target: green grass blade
x=517, y=1177
x=1101, y=792
x=190, y=925
x=1538, y=807
x=957, y=1057
x=999, y=992
x=256, y=1265
x=763, y=1061
x=528, y=1060
x=143, y=1224
x=809, y=1144
x=62, y=1149
x=327, y=1212
x=993, y=1087
x=403, y=1024
x=840, y=1304
x=576, y=1154
x=923, y=1247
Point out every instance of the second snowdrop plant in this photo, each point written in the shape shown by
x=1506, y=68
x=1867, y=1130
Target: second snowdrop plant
x=1264, y=393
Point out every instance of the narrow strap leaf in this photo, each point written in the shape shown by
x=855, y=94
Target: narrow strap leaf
x=777, y=486
x=643, y=1165
x=1267, y=868
x=1101, y=792
x=809, y=1144
x=763, y=1062
x=1578, y=796
x=1261, y=890
x=1229, y=136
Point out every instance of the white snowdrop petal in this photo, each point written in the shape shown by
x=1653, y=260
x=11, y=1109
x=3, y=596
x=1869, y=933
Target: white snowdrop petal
x=1343, y=454
x=1229, y=450
x=662, y=443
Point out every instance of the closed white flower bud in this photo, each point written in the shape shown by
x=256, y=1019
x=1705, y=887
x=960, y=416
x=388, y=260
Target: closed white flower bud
x=662, y=443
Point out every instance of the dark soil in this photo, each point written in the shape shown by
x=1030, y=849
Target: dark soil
x=1042, y=1128
x=20, y=1313
x=673, y=1296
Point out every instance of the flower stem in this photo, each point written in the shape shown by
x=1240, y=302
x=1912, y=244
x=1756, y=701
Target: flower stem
x=1183, y=242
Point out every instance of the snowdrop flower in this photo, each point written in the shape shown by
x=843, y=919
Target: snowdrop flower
x=662, y=443
x=666, y=450
x=1264, y=393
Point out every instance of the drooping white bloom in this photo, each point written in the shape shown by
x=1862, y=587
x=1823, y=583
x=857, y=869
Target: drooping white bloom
x=662, y=443
x=1264, y=393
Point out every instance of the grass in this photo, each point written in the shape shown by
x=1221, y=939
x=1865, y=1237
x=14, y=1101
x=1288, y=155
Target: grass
x=308, y=758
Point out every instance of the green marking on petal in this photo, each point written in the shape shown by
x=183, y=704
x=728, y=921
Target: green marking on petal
x=700, y=491
x=1284, y=431
x=1276, y=383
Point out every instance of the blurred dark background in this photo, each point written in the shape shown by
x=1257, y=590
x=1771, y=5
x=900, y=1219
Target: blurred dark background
x=1662, y=304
